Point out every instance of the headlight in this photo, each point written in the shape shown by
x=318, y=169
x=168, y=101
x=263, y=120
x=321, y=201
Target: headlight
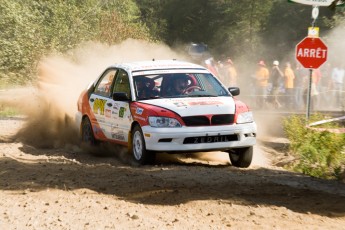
x=245, y=117
x=164, y=122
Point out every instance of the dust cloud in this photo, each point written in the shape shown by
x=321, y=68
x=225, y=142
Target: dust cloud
x=50, y=106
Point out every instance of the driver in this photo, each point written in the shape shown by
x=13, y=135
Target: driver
x=179, y=85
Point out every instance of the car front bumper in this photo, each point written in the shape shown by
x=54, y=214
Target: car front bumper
x=201, y=138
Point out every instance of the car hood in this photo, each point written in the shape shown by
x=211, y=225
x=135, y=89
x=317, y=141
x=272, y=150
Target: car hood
x=196, y=106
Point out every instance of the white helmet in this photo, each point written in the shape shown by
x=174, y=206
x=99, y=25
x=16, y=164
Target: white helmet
x=276, y=62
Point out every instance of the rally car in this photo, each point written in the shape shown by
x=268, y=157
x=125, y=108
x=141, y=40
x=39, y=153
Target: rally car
x=166, y=106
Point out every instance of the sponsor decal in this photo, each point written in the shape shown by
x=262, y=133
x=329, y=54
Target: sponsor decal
x=210, y=139
x=98, y=106
x=107, y=113
x=195, y=102
x=118, y=136
x=139, y=118
x=101, y=120
x=122, y=112
x=180, y=104
x=113, y=128
x=139, y=111
x=192, y=103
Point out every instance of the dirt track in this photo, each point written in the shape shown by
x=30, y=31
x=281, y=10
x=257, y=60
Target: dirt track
x=65, y=188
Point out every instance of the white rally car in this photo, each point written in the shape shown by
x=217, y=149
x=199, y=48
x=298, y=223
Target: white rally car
x=166, y=106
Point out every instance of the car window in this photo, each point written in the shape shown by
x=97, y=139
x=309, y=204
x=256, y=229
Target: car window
x=122, y=83
x=147, y=87
x=211, y=85
x=178, y=85
x=105, y=83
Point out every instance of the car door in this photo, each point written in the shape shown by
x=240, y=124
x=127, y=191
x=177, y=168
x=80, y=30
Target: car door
x=101, y=104
x=120, y=119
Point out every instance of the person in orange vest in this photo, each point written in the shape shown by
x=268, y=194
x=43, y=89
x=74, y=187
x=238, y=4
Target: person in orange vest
x=289, y=77
x=261, y=75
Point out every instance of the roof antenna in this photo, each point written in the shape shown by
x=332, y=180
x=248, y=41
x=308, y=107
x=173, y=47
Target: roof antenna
x=153, y=59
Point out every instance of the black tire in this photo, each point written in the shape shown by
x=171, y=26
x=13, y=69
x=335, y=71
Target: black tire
x=241, y=157
x=87, y=136
x=138, y=150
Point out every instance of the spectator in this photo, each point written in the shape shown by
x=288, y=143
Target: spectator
x=300, y=79
x=337, y=82
x=313, y=90
x=325, y=86
x=276, y=76
x=316, y=77
x=262, y=75
x=289, y=77
x=231, y=74
x=209, y=63
x=222, y=69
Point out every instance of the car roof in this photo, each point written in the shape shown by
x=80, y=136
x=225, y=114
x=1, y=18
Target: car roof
x=157, y=65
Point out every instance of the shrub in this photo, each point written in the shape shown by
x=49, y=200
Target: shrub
x=319, y=152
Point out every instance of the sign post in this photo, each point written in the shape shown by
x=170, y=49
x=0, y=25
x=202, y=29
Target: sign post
x=311, y=52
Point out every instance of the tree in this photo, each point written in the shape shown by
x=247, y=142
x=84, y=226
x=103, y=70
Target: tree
x=32, y=28
x=229, y=26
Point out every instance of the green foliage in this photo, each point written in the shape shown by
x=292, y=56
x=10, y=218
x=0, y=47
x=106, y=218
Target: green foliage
x=6, y=111
x=151, y=14
x=19, y=42
x=30, y=29
x=228, y=27
x=319, y=152
x=121, y=20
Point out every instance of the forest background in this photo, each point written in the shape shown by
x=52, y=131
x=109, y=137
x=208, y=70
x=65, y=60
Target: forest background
x=246, y=30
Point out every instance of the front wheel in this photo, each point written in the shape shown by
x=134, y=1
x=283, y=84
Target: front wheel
x=139, y=152
x=241, y=157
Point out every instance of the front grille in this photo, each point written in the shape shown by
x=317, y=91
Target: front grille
x=220, y=119
x=196, y=121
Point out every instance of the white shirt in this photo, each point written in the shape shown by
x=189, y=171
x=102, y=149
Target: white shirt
x=338, y=75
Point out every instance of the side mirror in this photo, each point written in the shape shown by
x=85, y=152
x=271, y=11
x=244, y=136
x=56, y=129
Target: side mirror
x=234, y=91
x=120, y=96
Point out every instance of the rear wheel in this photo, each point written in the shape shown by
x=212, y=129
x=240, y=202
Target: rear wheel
x=139, y=152
x=87, y=136
x=241, y=157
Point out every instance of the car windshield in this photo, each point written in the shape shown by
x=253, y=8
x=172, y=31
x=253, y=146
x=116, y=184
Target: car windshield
x=178, y=85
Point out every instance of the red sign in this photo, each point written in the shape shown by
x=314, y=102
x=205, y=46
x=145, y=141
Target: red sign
x=311, y=52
